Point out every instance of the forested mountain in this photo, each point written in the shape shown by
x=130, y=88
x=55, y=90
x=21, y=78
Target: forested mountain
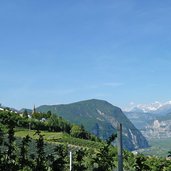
x=100, y=118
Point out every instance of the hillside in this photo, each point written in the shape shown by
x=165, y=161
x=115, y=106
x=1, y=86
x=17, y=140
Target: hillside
x=37, y=144
x=100, y=118
x=30, y=144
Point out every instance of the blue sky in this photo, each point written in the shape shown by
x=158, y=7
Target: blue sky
x=54, y=52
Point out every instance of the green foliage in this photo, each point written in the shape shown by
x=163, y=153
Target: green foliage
x=104, y=159
x=111, y=139
x=140, y=163
x=25, y=114
x=40, y=116
x=129, y=161
x=41, y=121
x=59, y=160
x=48, y=151
x=1, y=136
x=24, y=158
x=79, y=160
x=40, y=160
x=58, y=124
x=9, y=158
x=79, y=132
x=169, y=154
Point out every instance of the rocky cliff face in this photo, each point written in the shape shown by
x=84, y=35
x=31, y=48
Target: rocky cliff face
x=158, y=129
x=100, y=118
x=132, y=137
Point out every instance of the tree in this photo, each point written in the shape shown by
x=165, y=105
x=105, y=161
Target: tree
x=49, y=113
x=24, y=159
x=25, y=114
x=104, y=159
x=76, y=131
x=129, y=160
x=140, y=163
x=169, y=154
x=10, y=163
x=59, y=159
x=79, y=132
x=111, y=139
x=53, y=123
x=41, y=157
x=1, y=143
x=1, y=137
x=79, y=163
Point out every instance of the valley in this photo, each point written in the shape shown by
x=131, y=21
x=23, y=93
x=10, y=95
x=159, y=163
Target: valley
x=154, y=122
x=158, y=147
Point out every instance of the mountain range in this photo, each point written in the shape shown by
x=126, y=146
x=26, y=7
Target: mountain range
x=154, y=120
x=157, y=108
x=100, y=118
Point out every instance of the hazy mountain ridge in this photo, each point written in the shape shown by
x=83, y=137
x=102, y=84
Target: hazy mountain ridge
x=153, y=124
x=140, y=119
x=144, y=114
x=100, y=118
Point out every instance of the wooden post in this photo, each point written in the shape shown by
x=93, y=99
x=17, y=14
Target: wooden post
x=120, y=157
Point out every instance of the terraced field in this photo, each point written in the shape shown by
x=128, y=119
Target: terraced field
x=59, y=138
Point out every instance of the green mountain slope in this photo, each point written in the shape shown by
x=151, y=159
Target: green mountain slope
x=100, y=118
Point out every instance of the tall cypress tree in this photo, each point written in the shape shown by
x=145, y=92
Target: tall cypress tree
x=10, y=161
x=41, y=157
x=24, y=159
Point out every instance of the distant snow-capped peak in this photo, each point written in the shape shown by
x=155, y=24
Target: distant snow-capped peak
x=150, y=107
x=147, y=108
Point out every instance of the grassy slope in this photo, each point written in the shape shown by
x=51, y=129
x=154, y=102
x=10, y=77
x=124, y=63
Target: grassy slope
x=159, y=147
x=59, y=137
